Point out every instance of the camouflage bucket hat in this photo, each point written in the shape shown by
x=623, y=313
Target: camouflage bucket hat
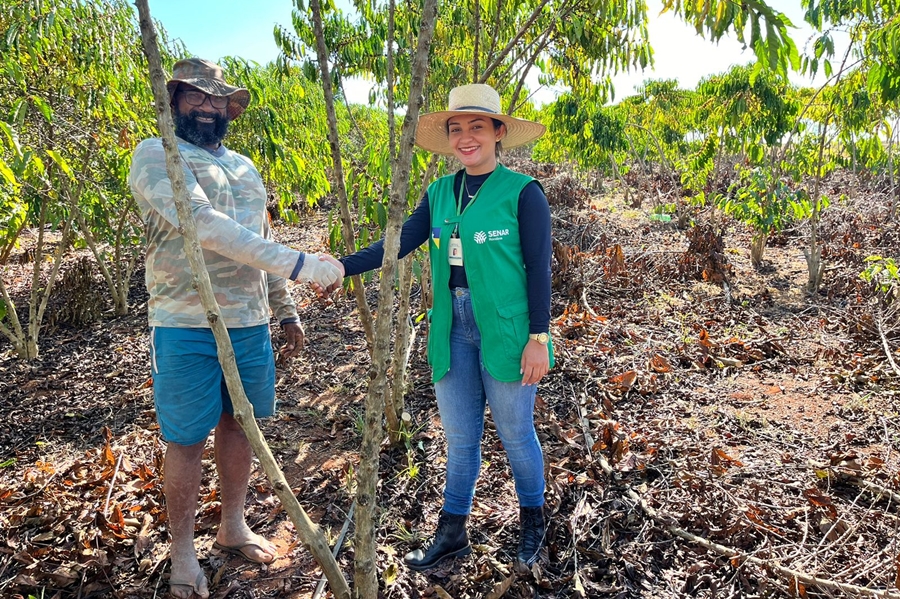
x=207, y=77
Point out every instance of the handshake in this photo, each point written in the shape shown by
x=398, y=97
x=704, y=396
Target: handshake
x=323, y=272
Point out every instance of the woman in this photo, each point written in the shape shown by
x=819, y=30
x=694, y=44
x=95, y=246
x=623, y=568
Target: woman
x=488, y=340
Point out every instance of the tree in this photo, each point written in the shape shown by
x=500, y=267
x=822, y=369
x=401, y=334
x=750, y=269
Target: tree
x=754, y=23
x=365, y=572
x=69, y=90
x=281, y=134
x=749, y=113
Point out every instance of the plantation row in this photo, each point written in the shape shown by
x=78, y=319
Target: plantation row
x=75, y=99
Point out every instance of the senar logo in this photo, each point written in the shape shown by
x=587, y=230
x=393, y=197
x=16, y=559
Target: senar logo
x=497, y=234
x=480, y=237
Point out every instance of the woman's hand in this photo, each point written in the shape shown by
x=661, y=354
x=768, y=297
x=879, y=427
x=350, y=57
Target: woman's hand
x=325, y=291
x=535, y=362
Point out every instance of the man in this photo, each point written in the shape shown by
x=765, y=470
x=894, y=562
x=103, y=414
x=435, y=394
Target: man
x=249, y=274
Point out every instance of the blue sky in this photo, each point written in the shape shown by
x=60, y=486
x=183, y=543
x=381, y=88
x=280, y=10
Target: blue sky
x=212, y=31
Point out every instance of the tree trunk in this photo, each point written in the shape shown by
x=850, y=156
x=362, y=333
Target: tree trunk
x=891, y=175
x=120, y=303
x=405, y=338
x=347, y=232
x=365, y=578
x=814, y=265
x=309, y=533
x=14, y=331
x=757, y=247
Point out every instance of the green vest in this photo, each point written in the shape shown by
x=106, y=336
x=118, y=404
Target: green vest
x=492, y=256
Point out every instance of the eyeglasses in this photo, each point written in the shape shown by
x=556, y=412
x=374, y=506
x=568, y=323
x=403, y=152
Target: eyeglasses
x=197, y=98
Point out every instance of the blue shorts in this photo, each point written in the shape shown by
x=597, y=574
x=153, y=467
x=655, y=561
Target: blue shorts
x=188, y=384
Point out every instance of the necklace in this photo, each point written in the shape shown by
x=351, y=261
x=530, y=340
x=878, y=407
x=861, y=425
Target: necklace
x=471, y=195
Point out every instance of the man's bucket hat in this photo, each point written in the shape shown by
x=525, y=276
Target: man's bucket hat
x=476, y=98
x=207, y=77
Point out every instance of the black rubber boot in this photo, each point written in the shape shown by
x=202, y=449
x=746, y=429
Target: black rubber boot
x=531, y=536
x=450, y=540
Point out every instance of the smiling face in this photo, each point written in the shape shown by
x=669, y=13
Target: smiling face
x=203, y=125
x=474, y=140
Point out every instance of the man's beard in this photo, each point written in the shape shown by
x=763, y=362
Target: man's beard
x=188, y=128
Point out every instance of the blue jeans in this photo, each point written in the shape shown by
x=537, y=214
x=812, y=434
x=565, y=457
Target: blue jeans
x=461, y=396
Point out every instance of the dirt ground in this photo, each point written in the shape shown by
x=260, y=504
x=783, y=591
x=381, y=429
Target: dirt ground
x=710, y=430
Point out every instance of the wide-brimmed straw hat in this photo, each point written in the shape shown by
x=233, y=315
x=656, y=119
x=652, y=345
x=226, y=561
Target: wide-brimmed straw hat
x=476, y=98
x=207, y=77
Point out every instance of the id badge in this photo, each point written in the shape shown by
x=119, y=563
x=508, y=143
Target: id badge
x=455, y=254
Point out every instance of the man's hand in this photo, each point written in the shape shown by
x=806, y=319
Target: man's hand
x=535, y=362
x=323, y=291
x=321, y=272
x=294, y=339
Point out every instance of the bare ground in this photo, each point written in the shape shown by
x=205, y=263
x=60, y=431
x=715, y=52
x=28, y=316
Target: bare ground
x=693, y=394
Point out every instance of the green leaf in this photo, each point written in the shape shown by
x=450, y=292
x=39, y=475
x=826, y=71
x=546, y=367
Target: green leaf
x=10, y=461
x=390, y=575
x=61, y=162
x=17, y=114
x=10, y=137
x=2, y=309
x=8, y=175
x=44, y=107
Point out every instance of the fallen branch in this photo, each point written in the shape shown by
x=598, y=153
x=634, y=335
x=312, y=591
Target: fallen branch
x=869, y=486
x=792, y=575
x=112, y=483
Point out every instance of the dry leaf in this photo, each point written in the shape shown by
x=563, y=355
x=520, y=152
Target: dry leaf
x=821, y=501
x=501, y=587
x=659, y=364
x=623, y=382
x=439, y=590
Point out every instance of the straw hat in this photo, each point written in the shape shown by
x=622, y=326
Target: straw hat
x=476, y=98
x=207, y=77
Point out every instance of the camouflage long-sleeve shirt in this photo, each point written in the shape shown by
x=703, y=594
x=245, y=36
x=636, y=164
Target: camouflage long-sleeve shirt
x=247, y=269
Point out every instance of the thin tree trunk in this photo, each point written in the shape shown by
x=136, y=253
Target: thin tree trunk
x=636, y=203
x=814, y=265
x=427, y=296
x=365, y=577
x=513, y=102
x=34, y=326
x=757, y=248
x=891, y=176
x=72, y=198
x=15, y=334
x=26, y=340
x=492, y=35
x=309, y=533
x=405, y=336
x=347, y=232
x=498, y=60
x=123, y=273
x=11, y=243
x=391, y=411
x=477, y=36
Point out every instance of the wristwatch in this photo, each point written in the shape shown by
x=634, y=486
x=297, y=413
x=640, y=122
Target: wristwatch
x=541, y=338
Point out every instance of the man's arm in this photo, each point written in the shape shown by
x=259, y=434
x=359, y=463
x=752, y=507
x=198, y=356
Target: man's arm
x=216, y=231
